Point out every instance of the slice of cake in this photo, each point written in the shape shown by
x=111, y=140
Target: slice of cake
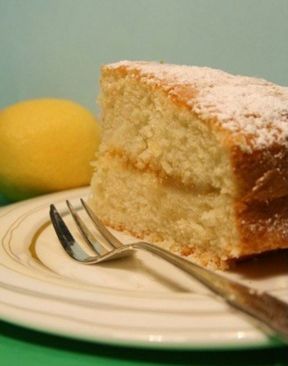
x=194, y=160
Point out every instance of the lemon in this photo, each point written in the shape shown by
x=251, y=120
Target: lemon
x=46, y=145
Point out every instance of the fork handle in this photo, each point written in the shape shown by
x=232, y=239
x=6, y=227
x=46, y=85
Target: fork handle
x=270, y=312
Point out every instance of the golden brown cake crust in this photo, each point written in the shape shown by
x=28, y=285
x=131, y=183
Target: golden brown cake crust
x=262, y=205
x=253, y=112
x=262, y=174
x=263, y=225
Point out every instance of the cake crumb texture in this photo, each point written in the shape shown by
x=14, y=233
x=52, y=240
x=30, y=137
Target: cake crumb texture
x=194, y=160
x=250, y=106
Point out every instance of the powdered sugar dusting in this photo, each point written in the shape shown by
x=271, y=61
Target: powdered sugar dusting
x=255, y=108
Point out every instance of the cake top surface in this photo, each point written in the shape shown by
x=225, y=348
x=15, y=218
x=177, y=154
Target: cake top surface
x=254, y=108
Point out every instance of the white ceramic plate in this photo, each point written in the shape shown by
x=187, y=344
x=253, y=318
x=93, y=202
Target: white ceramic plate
x=139, y=301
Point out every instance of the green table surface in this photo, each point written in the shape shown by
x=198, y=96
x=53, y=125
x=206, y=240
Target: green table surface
x=26, y=347
x=22, y=346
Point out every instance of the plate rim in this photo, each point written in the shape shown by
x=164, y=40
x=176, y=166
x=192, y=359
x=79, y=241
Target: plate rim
x=265, y=343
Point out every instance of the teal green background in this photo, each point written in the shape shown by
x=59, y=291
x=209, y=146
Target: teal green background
x=55, y=47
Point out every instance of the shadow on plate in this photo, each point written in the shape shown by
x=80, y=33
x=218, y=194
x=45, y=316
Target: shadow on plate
x=266, y=265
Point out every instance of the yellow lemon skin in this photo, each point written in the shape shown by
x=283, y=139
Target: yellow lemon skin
x=46, y=145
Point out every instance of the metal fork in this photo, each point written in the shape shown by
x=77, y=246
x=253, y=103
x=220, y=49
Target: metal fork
x=269, y=313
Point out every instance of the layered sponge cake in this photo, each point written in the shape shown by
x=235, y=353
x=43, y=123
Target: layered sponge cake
x=193, y=159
